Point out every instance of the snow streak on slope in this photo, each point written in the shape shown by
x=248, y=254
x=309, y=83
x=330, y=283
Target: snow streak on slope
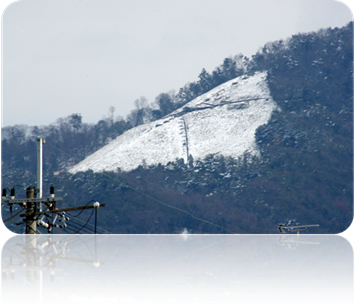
x=221, y=121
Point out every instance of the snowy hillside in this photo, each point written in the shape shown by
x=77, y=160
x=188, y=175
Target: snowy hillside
x=221, y=121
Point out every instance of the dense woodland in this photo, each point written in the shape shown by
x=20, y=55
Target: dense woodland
x=303, y=176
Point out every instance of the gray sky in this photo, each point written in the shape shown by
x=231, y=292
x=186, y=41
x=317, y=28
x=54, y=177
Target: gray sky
x=83, y=56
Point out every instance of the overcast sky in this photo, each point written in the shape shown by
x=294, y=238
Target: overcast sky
x=83, y=56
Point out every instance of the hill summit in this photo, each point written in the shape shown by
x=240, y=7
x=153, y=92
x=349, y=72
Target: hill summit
x=222, y=121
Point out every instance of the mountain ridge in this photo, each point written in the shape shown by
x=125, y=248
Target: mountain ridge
x=221, y=121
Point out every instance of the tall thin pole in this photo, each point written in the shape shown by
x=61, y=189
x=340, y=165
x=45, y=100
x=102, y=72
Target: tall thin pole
x=40, y=142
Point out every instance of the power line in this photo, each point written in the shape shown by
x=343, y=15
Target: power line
x=104, y=230
x=13, y=216
x=85, y=223
x=77, y=228
x=81, y=227
x=170, y=206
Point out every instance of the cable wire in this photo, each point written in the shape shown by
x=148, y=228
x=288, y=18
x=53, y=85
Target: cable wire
x=103, y=230
x=13, y=216
x=77, y=227
x=86, y=222
x=69, y=223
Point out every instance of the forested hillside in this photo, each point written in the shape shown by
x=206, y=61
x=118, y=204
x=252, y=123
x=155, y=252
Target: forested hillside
x=303, y=176
x=76, y=140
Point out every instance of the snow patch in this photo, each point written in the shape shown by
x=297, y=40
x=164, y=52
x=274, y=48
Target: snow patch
x=221, y=121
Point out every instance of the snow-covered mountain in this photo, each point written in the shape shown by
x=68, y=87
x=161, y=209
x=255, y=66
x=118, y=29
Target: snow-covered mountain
x=221, y=121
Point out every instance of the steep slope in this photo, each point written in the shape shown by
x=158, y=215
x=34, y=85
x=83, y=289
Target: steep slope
x=222, y=121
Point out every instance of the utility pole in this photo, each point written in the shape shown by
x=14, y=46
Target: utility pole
x=40, y=142
x=31, y=225
x=33, y=203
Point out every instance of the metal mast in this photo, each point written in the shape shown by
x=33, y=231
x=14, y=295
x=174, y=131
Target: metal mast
x=40, y=142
